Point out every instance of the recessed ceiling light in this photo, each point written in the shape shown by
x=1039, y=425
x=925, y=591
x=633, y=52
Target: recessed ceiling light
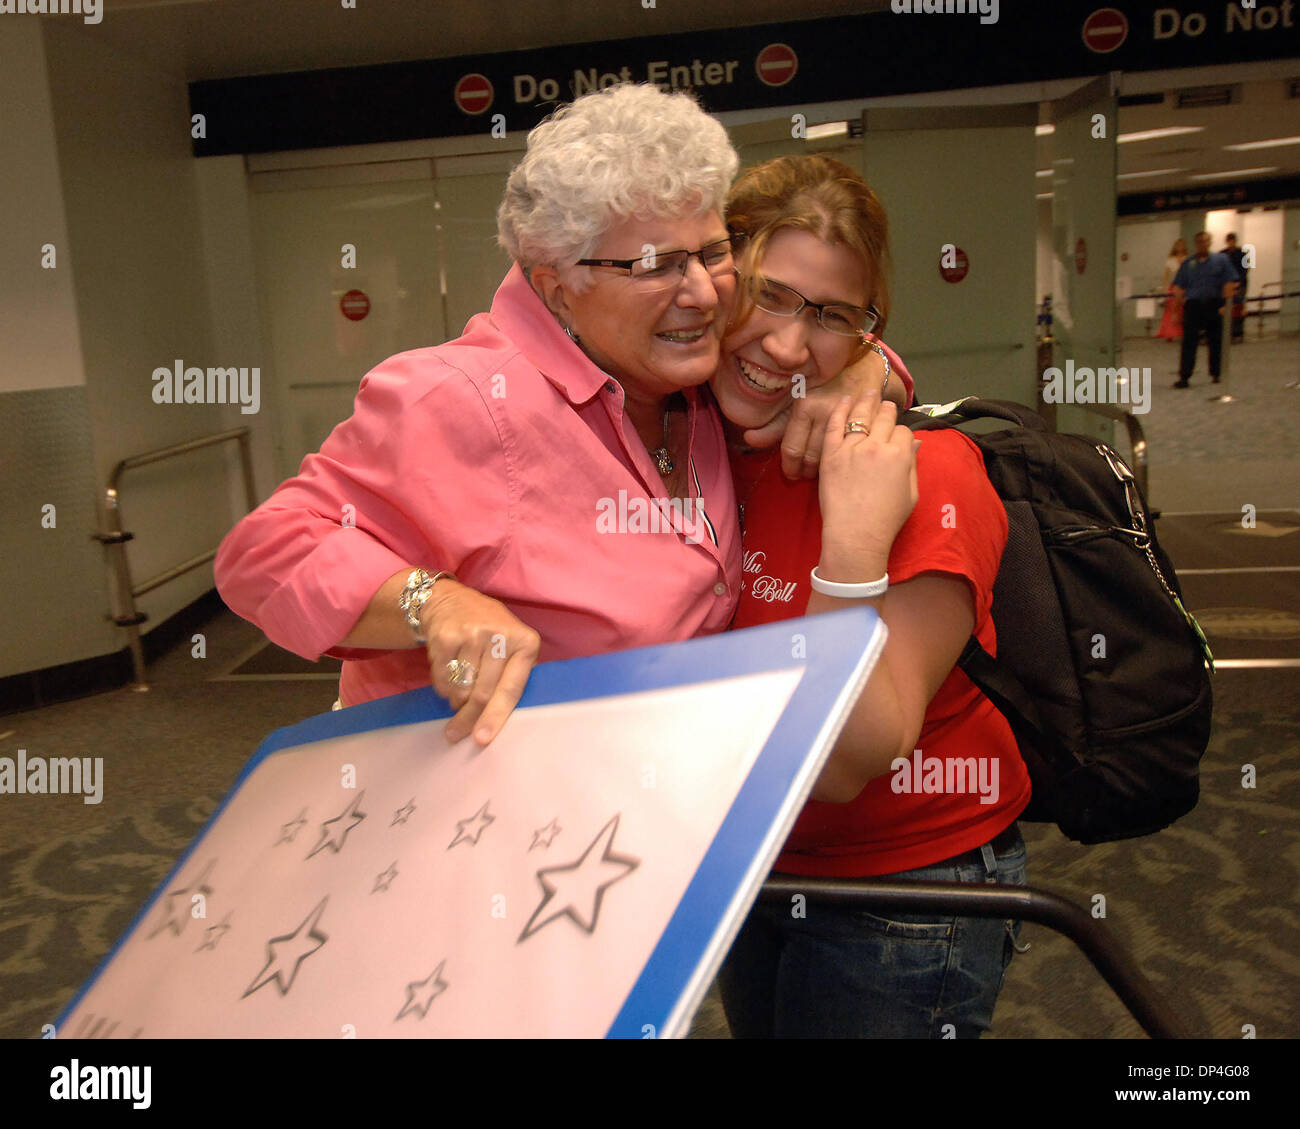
x=827, y=129
x=1233, y=172
x=1044, y=130
x=1264, y=144
x=1152, y=134
x=1153, y=172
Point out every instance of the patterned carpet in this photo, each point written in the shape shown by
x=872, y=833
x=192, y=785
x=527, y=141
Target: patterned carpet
x=1208, y=908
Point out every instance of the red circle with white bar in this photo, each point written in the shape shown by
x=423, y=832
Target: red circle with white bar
x=473, y=94
x=355, y=305
x=776, y=64
x=1105, y=30
x=960, y=268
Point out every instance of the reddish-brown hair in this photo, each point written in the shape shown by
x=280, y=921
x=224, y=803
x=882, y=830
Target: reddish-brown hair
x=820, y=195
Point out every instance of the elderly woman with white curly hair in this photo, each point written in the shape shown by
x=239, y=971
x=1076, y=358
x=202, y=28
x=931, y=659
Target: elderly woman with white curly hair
x=456, y=528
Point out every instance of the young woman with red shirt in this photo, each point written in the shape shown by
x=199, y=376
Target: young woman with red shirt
x=925, y=782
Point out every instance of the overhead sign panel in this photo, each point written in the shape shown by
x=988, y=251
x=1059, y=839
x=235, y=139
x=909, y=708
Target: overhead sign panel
x=737, y=68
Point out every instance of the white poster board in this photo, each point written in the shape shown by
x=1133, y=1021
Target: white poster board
x=581, y=876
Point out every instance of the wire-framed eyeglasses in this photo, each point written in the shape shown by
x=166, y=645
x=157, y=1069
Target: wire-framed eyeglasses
x=663, y=270
x=834, y=317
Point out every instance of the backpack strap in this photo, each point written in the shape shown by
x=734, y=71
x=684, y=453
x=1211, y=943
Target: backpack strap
x=1048, y=763
x=926, y=417
x=1000, y=686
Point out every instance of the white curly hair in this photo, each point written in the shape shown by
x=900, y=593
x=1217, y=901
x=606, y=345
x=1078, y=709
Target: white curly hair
x=629, y=151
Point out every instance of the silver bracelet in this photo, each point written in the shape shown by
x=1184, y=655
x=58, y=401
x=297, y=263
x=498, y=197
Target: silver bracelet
x=849, y=591
x=884, y=357
x=413, y=597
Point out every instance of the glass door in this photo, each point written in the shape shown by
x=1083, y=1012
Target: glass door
x=1083, y=257
x=958, y=185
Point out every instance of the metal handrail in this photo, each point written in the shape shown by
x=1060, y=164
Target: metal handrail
x=1015, y=903
x=115, y=537
x=1136, y=436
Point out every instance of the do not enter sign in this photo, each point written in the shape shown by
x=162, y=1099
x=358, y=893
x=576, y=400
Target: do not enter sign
x=1105, y=30
x=953, y=264
x=776, y=64
x=355, y=305
x=473, y=94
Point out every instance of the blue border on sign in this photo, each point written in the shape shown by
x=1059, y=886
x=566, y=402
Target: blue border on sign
x=838, y=644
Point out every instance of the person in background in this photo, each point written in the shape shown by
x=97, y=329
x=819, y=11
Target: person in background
x=1203, y=283
x=1171, y=323
x=1236, y=256
x=919, y=538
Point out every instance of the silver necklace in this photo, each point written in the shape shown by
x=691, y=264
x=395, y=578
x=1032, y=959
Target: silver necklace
x=662, y=456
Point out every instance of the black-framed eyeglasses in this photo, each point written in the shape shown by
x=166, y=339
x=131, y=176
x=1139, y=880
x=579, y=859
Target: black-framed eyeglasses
x=834, y=317
x=660, y=270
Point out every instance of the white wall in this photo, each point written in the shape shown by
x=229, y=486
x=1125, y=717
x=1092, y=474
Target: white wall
x=225, y=220
x=1264, y=231
x=1218, y=223
x=38, y=317
x=1147, y=241
x=46, y=490
x=134, y=220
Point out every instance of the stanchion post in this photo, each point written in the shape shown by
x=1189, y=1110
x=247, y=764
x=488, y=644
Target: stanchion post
x=1223, y=396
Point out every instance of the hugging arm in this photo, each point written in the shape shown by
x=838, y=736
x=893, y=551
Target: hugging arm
x=318, y=566
x=879, y=511
x=800, y=427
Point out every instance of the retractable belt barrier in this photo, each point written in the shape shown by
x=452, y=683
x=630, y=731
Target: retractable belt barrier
x=1017, y=903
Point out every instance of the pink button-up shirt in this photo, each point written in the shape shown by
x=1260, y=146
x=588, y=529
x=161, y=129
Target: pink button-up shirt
x=506, y=457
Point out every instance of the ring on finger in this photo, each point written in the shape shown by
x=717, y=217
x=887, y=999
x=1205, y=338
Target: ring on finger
x=461, y=673
x=856, y=425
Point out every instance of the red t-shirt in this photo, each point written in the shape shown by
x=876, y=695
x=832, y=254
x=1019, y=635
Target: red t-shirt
x=970, y=782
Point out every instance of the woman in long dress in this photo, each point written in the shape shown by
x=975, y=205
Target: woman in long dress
x=1171, y=324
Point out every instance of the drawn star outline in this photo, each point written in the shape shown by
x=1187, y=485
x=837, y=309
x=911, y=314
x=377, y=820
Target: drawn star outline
x=214, y=933
x=334, y=836
x=577, y=889
x=290, y=829
x=426, y=990
x=297, y=946
x=546, y=836
x=99, y=1031
x=384, y=880
x=480, y=819
x=403, y=813
x=179, y=902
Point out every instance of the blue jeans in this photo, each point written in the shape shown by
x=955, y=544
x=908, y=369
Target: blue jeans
x=845, y=973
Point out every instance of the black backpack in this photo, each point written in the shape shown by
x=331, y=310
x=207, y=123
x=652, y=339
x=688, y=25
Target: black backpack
x=1102, y=673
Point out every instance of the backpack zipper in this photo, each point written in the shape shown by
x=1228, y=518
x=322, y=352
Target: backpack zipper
x=1142, y=540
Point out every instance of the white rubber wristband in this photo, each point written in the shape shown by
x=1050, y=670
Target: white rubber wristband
x=849, y=591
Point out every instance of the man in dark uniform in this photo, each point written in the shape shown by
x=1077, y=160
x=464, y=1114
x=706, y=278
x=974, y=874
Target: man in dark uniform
x=1235, y=256
x=1203, y=282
